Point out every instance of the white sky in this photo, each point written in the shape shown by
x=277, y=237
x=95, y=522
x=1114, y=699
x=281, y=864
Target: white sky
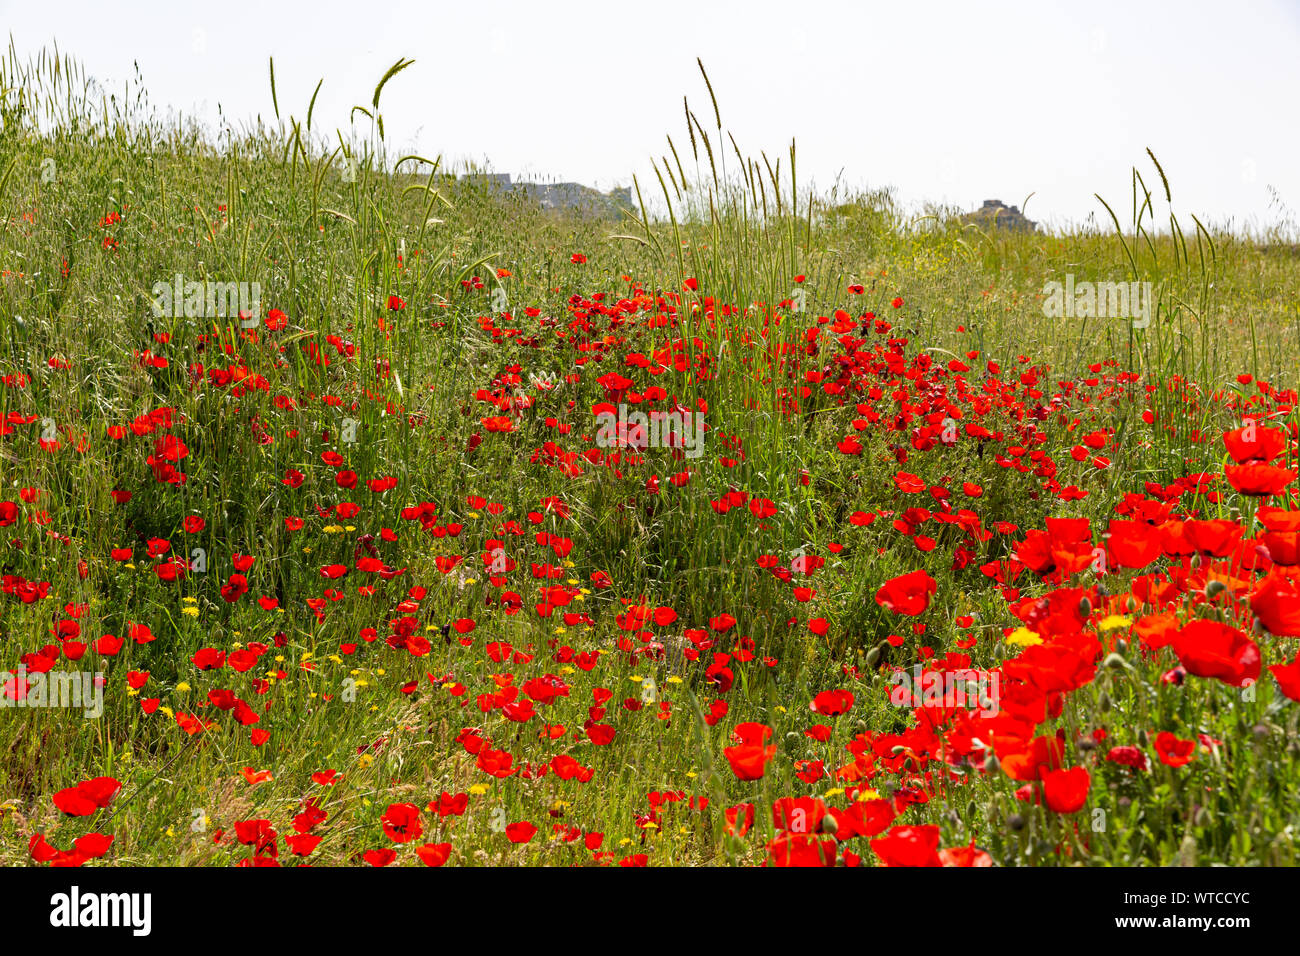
x=947, y=101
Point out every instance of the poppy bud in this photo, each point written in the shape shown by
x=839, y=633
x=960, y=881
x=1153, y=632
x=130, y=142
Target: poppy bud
x=991, y=764
x=1085, y=607
x=1214, y=589
x=1086, y=744
x=828, y=825
x=1016, y=822
x=1114, y=662
x=1103, y=702
x=1187, y=849
x=873, y=658
x=1144, y=738
x=1202, y=817
x=1121, y=646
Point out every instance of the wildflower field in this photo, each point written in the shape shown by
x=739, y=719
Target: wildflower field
x=352, y=513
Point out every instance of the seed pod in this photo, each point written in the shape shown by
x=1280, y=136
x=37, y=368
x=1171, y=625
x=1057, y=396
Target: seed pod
x=994, y=808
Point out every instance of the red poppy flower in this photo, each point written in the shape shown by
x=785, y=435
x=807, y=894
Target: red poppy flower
x=750, y=758
x=1255, y=443
x=1133, y=544
x=1174, y=752
x=801, y=849
x=739, y=819
x=520, y=832
x=966, y=856
x=1210, y=649
x=402, y=822
x=1128, y=757
x=1066, y=791
x=433, y=854
x=1276, y=602
x=909, y=846
x=600, y=734
x=1288, y=677
x=908, y=593
x=87, y=797
x=832, y=703
x=1259, y=480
